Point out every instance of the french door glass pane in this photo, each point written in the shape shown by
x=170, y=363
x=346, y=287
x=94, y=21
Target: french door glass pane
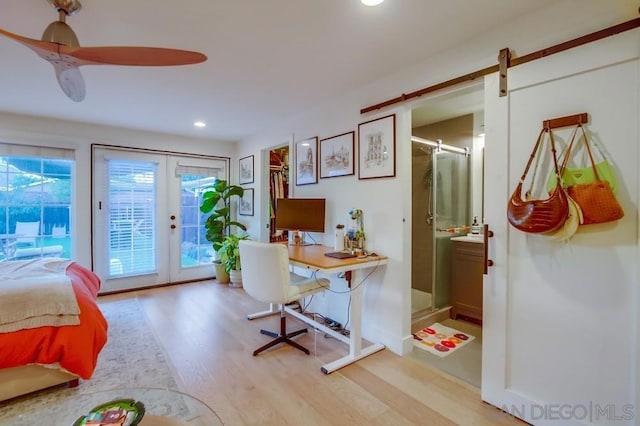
x=35, y=204
x=132, y=212
x=195, y=249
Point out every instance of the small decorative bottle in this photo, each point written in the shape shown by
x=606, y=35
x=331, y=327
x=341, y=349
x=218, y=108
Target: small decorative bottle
x=475, y=226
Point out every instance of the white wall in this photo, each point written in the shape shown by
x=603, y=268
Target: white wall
x=386, y=202
x=38, y=131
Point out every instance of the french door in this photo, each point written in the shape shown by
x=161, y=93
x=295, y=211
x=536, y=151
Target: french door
x=147, y=223
x=560, y=336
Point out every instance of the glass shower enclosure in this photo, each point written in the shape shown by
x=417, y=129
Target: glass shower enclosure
x=440, y=210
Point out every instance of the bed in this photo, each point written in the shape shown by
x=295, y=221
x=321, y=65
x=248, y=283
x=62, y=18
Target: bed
x=33, y=354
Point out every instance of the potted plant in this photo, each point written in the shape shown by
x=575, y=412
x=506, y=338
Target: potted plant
x=230, y=257
x=357, y=235
x=216, y=200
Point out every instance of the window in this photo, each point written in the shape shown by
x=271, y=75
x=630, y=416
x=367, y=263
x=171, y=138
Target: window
x=36, y=186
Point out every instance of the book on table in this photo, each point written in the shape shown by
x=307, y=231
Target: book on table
x=120, y=412
x=340, y=254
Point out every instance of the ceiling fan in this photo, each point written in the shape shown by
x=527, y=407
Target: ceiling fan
x=60, y=47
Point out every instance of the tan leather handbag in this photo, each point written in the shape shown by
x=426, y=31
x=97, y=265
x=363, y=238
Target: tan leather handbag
x=594, y=194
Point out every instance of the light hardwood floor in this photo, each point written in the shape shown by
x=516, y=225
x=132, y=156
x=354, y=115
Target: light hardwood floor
x=209, y=342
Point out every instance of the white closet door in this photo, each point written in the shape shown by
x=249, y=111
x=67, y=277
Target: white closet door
x=560, y=330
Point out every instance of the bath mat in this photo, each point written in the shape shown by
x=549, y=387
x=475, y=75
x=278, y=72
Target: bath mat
x=440, y=340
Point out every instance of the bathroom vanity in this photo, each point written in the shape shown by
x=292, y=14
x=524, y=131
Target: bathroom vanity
x=466, y=277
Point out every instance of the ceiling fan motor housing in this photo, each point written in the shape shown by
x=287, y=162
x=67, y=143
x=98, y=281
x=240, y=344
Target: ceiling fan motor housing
x=61, y=33
x=58, y=31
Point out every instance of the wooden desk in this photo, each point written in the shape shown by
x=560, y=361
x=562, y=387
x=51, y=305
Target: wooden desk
x=312, y=258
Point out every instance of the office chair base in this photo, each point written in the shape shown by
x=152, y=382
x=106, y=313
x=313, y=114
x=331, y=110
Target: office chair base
x=292, y=334
x=282, y=337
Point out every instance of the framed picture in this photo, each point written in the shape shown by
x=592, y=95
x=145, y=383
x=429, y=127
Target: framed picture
x=377, y=148
x=336, y=155
x=306, y=161
x=245, y=204
x=246, y=170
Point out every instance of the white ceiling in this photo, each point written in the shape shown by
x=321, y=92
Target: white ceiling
x=268, y=59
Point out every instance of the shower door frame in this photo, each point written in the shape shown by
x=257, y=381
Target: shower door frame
x=437, y=147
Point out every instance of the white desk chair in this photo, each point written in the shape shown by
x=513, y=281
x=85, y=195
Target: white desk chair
x=27, y=232
x=266, y=277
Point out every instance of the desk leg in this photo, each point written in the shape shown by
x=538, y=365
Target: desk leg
x=273, y=309
x=355, y=337
x=355, y=317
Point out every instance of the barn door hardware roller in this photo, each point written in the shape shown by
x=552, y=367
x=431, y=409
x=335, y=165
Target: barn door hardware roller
x=504, y=62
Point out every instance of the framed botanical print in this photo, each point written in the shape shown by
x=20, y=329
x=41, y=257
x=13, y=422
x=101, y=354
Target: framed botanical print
x=377, y=148
x=306, y=161
x=245, y=207
x=336, y=155
x=246, y=170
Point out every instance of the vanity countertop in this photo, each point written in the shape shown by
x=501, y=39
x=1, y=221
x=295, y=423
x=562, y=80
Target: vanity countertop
x=470, y=239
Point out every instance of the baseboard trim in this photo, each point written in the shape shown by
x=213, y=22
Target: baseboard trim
x=430, y=318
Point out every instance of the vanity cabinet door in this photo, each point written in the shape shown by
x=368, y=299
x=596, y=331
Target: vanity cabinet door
x=466, y=283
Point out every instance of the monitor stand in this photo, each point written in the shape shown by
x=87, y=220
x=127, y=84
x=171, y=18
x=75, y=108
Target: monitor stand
x=298, y=239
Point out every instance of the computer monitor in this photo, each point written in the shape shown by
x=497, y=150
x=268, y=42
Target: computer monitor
x=300, y=214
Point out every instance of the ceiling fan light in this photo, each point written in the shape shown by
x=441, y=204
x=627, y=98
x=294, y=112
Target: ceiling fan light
x=61, y=33
x=68, y=6
x=371, y=2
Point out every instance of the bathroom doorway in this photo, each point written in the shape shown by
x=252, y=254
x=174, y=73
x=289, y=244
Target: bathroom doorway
x=446, y=157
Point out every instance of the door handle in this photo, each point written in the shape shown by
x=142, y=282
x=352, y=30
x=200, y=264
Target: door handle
x=173, y=226
x=487, y=262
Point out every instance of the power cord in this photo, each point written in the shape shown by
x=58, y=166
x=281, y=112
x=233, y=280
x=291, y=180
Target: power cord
x=348, y=310
x=312, y=239
x=334, y=325
x=342, y=275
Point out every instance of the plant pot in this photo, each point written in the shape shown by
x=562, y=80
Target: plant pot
x=236, y=278
x=221, y=275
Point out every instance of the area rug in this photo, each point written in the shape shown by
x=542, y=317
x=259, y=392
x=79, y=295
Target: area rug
x=440, y=340
x=132, y=358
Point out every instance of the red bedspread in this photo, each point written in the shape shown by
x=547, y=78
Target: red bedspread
x=76, y=347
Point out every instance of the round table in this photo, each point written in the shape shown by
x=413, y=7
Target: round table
x=163, y=407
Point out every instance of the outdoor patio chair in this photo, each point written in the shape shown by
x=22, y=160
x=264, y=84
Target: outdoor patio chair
x=26, y=233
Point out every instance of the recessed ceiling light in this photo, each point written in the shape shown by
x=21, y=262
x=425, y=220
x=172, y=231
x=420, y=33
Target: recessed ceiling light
x=371, y=2
x=200, y=124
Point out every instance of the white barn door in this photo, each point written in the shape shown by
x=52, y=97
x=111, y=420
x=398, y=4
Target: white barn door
x=560, y=331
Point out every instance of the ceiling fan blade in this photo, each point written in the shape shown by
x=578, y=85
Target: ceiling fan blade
x=66, y=67
x=42, y=48
x=133, y=55
x=70, y=80
x=111, y=55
